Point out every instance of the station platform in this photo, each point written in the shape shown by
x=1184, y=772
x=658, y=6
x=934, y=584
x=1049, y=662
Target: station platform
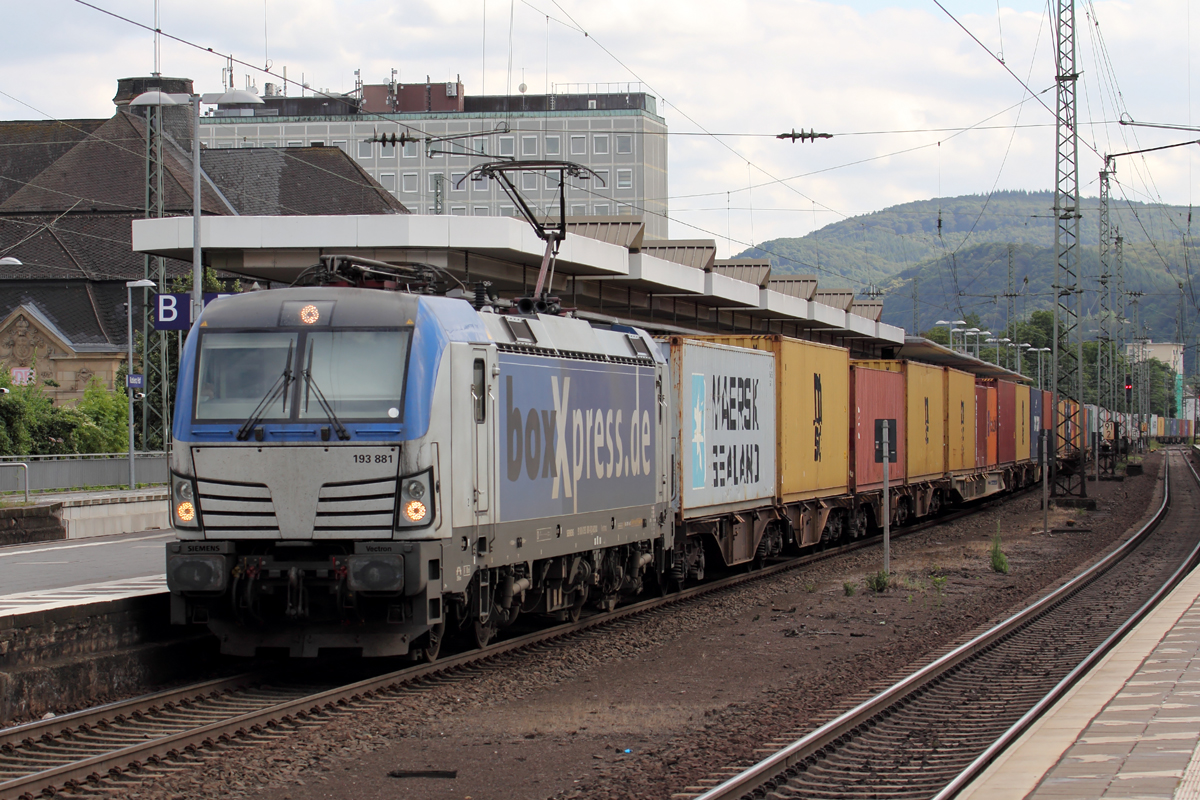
x=1130, y=729
x=46, y=576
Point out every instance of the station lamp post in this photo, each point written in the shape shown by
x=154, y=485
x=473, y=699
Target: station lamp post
x=995, y=341
x=129, y=287
x=1039, y=351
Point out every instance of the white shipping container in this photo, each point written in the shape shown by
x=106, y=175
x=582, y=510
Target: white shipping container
x=724, y=399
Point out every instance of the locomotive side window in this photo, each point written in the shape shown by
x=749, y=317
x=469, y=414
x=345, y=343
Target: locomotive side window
x=479, y=389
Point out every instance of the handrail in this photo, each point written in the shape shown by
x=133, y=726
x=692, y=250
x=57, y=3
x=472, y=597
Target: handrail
x=82, y=456
x=24, y=466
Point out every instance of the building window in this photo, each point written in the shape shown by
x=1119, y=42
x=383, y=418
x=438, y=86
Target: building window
x=366, y=149
x=458, y=211
x=457, y=182
x=578, y=210
x=343, y=147
x=410, y=150
x=481, y=211
x=603, y=183
x=624, y=144
x=601, y=209
x=270, y=144
x=529, y=145
x=508, y=211
x=317, y=143
x=434, y=177
x=508, y=146
x=624, y=179
x=247, y=143
x=410, y=182
x=479, y=182
x=229, y=145
x=388, y=180
x=529, y=181
x=552, y=181
x=552, y=148
x=579, y=145
x=591, y=105
x=479, y=146
x=624, y=210
x=387, y=150
x=289, y=144
x=600, y=144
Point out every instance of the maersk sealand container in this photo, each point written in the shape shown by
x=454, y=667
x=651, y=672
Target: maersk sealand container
x=724, y=426
x=1035, y=422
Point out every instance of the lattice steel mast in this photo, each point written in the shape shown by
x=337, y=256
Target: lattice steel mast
x=155, y=406
x=1068, y=477
x=1105, y=365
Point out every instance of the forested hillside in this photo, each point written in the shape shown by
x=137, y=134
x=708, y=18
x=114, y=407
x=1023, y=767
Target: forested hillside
x=957, y=251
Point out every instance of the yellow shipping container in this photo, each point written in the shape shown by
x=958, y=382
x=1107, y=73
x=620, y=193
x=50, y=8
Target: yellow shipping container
x=813, y=413
x=960, y=421
x=1023, y=433
x=925, y=417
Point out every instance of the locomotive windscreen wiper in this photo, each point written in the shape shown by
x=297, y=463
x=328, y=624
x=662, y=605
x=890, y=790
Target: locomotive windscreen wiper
x=311, y=384
x=278, y=388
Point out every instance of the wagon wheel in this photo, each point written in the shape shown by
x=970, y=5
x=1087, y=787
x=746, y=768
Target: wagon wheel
x=935, y=503
x=902, y=512
x=428, y=651
x=576, y=609
x=859, y=523
x=482, y=633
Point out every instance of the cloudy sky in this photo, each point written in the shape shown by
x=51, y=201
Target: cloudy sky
x=917, y=108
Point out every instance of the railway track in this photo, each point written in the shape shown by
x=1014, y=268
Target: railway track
x=116, y=741
x=933, y=732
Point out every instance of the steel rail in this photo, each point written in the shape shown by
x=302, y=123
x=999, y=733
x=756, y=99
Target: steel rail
x=778, y=763
x=116, y=761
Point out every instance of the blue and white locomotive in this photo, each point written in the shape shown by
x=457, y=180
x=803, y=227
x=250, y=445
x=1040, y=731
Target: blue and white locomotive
x=365, y=469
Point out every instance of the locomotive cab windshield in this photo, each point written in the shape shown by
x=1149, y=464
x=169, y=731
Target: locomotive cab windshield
x=301, y=375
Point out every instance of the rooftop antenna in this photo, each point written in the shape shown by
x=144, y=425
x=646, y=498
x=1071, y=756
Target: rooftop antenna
x=157, y=43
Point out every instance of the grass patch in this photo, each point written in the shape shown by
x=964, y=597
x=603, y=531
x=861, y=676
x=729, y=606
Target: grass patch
x=848, y=588
x=878, y=582
x=810, y=587
x=999, y=560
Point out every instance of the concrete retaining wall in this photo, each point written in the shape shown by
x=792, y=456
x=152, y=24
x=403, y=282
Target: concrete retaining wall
x=72, y=658
x=103, y=516
x=24, y=524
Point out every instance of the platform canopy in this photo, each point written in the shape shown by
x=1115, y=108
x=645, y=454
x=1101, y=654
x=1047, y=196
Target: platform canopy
x=664, y=286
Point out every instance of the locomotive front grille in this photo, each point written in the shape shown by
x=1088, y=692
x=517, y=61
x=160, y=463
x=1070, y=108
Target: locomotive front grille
x=236, y=507
x=357, y=506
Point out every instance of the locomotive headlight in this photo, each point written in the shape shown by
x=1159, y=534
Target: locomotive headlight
x=184, y=513
x=196, y=573
x=415, y=510
x=415, y=506
x=375, y=573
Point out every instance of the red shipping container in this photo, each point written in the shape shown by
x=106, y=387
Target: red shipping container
x=875, y=394
x=1006, y=421
x=1047, y=410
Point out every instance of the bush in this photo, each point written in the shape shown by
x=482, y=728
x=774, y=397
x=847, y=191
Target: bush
x=848, y=588
x=999, y=560
x=878, y=582
x=30, y=424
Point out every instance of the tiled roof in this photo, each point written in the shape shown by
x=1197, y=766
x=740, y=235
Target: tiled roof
x=269, y=181
x=90, y=315
x=697, y=253
x=29, y=146
x=107, y=172
x=74, y=246
x=748, y=270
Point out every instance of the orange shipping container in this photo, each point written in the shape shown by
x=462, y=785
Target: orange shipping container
x=876, y=394
x=1025, y=436
x=960, y=421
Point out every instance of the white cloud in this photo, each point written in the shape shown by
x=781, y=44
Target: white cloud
x=750, y=66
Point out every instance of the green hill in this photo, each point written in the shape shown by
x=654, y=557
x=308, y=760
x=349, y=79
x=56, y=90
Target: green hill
x=957, y=248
